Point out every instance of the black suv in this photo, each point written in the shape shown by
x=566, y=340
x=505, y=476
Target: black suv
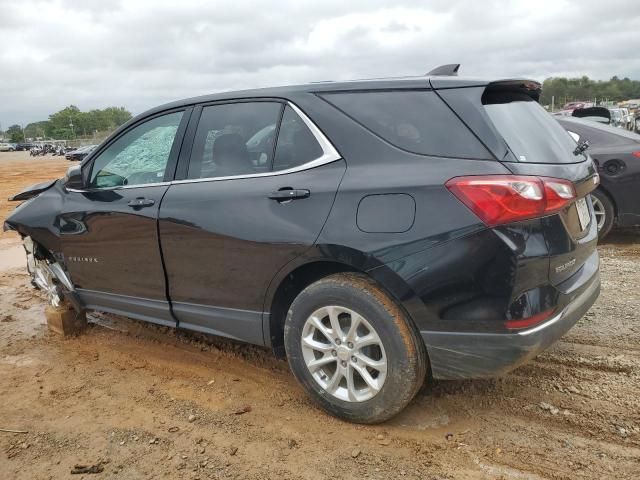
x=371, y=231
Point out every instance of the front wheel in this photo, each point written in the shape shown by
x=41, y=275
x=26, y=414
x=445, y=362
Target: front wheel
x=353, y=349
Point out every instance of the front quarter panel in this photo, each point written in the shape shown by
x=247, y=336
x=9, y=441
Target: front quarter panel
x=38, y=217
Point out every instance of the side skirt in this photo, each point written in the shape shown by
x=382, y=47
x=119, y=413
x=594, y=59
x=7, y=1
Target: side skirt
x=243, y=325
x=155, y=311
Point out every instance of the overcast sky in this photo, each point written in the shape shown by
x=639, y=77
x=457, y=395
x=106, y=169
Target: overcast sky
x=139, y=54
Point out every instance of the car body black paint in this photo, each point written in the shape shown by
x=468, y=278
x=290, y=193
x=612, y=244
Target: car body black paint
x=216, y=258
x=225, y=248
x=619, y=169
x=32, y=191
x=386, y=213
x=132, y=246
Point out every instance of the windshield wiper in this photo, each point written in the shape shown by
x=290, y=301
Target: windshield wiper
x=582, y=146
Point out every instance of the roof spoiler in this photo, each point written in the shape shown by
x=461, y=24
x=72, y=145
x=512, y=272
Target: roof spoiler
x=500, y=91
x=449, y=70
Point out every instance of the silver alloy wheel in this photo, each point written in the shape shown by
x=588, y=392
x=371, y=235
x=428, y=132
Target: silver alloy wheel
x=344, y=354
x=598, y=209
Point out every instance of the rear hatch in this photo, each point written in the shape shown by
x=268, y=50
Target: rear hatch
x=531, y=142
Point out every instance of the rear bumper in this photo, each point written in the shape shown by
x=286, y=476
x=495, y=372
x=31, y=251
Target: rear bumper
x=456, y=355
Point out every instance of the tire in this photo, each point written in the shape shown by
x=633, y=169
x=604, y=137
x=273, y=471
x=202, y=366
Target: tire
x=350, y=296
x=603, y=206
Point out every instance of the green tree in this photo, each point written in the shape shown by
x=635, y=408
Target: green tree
x=14, y=132
x=36, y=129
x=583, y=88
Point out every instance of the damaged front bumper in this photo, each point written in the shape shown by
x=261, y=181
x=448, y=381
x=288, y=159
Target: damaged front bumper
x=456, y=355
x=49, y=276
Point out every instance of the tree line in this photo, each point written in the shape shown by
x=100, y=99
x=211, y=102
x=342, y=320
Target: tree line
x=70, y=123
x=583, y=88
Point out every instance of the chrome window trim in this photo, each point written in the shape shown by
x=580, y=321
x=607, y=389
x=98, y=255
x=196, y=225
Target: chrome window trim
x=330, y=154
x=119, y=187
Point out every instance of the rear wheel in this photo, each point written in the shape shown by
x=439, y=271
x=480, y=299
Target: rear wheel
x=604, y=212
x=353, y=349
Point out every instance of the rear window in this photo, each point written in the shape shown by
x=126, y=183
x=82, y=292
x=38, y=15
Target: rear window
x=531, y=133
x=417, y=121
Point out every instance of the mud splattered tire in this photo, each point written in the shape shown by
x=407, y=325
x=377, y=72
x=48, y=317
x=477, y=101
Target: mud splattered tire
x=353, y=349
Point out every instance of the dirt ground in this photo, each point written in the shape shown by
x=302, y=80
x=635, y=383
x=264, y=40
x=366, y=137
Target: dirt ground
x=143, y=402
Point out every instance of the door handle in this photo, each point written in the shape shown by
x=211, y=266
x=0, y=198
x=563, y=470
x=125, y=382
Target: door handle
x=141, y=202
x=286, y=194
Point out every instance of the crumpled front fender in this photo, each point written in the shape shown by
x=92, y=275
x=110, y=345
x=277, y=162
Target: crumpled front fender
x=32, y=191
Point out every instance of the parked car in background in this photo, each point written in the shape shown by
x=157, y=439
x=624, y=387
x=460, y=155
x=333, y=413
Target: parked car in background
x=24, y=146
x=369, y=231
x=593, y=114
x=7, y=147
x=617, y=118
x=79, y=153
x=616, y=152
x=574, y=105
x=628, y=120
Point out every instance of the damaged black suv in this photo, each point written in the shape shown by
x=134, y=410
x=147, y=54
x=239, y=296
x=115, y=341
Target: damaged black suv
x=370, y=231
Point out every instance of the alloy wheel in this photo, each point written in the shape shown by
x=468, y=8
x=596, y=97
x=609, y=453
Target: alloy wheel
x=598, y=209
x=344, y=353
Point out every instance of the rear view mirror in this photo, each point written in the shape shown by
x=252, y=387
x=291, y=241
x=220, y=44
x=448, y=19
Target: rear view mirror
x=73, y=178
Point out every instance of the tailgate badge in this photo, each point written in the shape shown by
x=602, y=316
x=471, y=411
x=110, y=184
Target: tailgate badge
x=569, y=264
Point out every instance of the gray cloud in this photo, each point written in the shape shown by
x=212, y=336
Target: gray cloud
x=142, y=53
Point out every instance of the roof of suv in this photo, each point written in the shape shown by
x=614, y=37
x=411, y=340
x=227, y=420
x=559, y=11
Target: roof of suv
x=331, y=86
x=413, y=82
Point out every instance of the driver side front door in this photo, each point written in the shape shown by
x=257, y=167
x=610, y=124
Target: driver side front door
x=109, y=231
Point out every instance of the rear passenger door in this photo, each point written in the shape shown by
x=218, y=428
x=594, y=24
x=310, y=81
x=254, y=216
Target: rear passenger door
x=256, y=183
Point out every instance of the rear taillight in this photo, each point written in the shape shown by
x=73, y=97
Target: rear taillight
x=499, y=199
x=636, y=153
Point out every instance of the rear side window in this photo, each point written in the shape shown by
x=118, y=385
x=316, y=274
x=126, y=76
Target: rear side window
x=234, y=139
x=531, y=133
x=296, y=144
x=417, y=121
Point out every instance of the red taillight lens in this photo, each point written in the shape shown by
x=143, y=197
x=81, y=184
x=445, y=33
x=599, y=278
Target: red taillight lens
x=558, y=193
x=636, y=153
x=499, y=199
x=529, y=321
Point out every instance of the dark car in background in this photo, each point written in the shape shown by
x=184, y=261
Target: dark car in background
x=24, y=146
x=369, y=231
x=593, y=114
x=616, y=152
x=79, y=153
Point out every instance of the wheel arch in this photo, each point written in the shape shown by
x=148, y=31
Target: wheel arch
x=298, y=275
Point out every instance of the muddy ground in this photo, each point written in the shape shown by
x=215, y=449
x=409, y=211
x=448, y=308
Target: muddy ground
x=143, y=402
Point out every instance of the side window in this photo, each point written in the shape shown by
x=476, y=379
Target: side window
x=234, y=139
x=296, y=144
x=139, y=156
x=417, y=121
